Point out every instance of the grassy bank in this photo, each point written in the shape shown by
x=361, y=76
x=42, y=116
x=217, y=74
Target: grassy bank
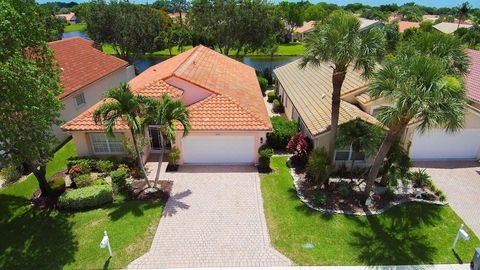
x=412, y=233
x=40, y=239
x=74, y=27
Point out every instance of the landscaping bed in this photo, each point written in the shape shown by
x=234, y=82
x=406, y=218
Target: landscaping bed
x=411, y=233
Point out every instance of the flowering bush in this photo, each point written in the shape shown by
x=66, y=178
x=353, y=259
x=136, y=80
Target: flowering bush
x=299, y=147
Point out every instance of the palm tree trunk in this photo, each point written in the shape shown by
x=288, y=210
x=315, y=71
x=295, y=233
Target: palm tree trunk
x=139, y=156
x=160, y=159
x=337, y=81
x=379, y=158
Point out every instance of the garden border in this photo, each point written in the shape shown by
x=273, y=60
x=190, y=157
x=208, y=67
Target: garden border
x=350, y=213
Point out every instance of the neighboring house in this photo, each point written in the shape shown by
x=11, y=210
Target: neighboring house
x=394, y=17
x=86, y=73
x=366, y=24
x=69, y=17
x=449, y=28
x=300, y=32
x=229, y=120
x=429, y=17
x=403, y=25
x=305, y=94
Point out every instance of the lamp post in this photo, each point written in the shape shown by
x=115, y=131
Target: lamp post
x=106, y=243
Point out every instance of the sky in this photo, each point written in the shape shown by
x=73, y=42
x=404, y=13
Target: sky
x=432, y=3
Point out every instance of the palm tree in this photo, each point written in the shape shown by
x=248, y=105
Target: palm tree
x=463, y=11
x=361, y=137
x=167, y=113
x=122, y=105
x=421, y=90
x=339, y=41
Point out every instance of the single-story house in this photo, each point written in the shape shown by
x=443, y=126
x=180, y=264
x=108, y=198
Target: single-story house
x=86, y=74
x=300, y=32
x=229, y=120
x=403, y=25
x=395, y=17
x=366, y=24
x=449, y=28
x=429, y=17
x=306, y=96
x=69, y=17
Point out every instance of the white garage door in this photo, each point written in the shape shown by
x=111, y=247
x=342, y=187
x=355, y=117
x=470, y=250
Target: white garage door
x=218, y=149
x=437, y=144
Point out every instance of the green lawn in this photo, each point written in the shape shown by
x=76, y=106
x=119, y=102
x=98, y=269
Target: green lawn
x=291, y=49
x=412, y=233
x=37, y=239
x=75, y=27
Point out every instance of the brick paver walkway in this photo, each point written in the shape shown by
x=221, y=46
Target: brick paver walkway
x=213, y=219
x=460, y=181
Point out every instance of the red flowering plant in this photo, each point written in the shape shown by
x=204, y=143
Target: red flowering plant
x=299, y=146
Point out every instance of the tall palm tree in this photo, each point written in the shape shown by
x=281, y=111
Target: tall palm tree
x=421, y=90
x=122, y=105
x=463, y=11
x=166, y=113
x=339, y=41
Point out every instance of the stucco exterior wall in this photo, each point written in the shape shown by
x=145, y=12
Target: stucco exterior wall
x=191, y=92
x=93, y=93
x=84, y=147
x=369, y=107
x=260, y=138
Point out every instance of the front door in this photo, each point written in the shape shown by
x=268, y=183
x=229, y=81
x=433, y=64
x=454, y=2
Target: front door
x=156, y=140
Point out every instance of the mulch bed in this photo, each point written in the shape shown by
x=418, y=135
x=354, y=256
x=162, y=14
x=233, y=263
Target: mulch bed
x=161, y=194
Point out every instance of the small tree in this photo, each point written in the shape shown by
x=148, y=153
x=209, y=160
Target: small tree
x=319, y=167
x=299, y=147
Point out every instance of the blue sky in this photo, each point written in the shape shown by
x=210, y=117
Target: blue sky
x=433, y=3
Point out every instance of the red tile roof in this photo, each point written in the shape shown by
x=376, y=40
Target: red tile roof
x=472, y=79
x=307, y=26
x=81, y=63
x=67, y=16
x=236, y=102
x=402, y=25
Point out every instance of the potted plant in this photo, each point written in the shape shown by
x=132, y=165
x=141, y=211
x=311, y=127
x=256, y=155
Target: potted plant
x=173, y=158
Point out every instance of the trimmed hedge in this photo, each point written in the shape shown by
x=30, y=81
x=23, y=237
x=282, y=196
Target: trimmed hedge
x=263, y=84
x=265, y=153
x=84, y=180
x=283, y=130
x=119, y=181
x=271, y=96
x=87, y=197
x=277, y=106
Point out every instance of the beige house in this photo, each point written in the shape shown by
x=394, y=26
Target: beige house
x=449, y=28
x=86, y=73
x=228, y=117
x=306, y=96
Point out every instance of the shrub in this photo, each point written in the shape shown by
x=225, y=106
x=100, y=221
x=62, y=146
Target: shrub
x=319, y=166
x=299, y=147
x=265, y=153
x=10, y=173
x=119, y=182
x=79, y=169
x=123, y=167
x=320, y=197
x=86, y=197
x=100, y=181
x=263, y=84
x=84, y=180
x=441, y=196
x=283, y=130
x=104, y=166
x=344, y=190
x=271, y=96
x=81, y=161
x=420, y=178
x=277, y=106
x=174, y=155
x=57, y=184
x=389, y=194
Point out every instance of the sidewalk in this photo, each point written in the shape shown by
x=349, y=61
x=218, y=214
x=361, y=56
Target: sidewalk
x=385, y=267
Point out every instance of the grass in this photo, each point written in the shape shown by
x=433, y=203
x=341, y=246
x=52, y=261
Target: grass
x=40, y=239
x=412, y=233
x=74, y=27
x=291, y=49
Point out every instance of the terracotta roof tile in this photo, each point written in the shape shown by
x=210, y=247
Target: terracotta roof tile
x=472, y=79
x=157, y=88
x=306, y=27
x=81, y=63
x=402, y=25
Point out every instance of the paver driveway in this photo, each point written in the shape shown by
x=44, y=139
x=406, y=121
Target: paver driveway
x=460, y=181
x=213, y=219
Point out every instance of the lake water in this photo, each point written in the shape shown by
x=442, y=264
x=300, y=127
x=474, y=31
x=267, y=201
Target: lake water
x=257, y=62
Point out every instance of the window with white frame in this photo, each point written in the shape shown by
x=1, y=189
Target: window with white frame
x=348, y=154
x=102, y=143
x=80, y=100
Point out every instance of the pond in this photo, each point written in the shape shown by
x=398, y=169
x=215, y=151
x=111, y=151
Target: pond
x=257, y=62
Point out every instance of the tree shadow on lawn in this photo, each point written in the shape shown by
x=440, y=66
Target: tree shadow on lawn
x=304, y=209
x=33, y=238
x=137, y=208
x=397, y=237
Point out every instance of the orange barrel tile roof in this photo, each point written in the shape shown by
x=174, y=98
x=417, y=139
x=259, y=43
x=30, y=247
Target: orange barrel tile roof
x=472, y=79
x=81, y=63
